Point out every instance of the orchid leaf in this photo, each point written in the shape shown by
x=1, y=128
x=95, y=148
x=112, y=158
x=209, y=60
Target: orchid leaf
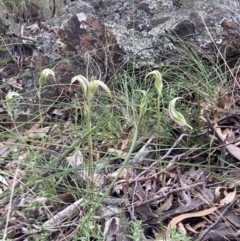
x=143, y=103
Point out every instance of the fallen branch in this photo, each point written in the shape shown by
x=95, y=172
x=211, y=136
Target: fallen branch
x=64, y=214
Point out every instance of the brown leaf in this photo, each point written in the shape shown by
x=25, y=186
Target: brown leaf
x=180, y=218
x=229, y=134
x=167, y=204
x=125, y=144
x=225, y=101
x=229, y=197
x=118, y=188
x=232, y=149
x=181, y=229
x=219, y=193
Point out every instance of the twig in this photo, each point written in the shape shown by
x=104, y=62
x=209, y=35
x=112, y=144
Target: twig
x=62, y=215
x=141, y=152
x=169, y=152
x=217, y=221
x=167, y=194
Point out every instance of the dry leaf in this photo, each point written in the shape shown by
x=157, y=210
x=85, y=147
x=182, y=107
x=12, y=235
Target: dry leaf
x=219, y=193
x=167, y=204
x=229, y=197
x=232, y=149
x=229, y=134
x=118, y=188
x=123, y=174
x=37, y=133
x=76, y=159
x=115, y=151
x=125, y=144
x=3, y=181
x=225, y=101
x=180, y=218
x=181, y=229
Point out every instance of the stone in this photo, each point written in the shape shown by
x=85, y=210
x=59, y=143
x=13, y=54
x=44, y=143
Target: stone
x=100, y=37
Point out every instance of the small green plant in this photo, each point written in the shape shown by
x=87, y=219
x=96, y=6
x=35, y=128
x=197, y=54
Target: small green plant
x=176, y=236
x=45, y=74
x=159, y=86
x=89, y=89
x=136, y=231
x=143, y=105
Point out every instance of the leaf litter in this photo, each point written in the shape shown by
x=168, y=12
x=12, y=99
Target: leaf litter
x=188, y=198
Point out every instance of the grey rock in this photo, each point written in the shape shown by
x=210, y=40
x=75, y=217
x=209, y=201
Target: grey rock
x=98, y=38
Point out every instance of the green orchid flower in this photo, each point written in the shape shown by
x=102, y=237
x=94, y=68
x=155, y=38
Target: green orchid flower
x=175, y=115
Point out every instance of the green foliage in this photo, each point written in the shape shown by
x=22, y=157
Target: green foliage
x=89, y=89
x=176, y=236
x=136, y=230
x=136, y=107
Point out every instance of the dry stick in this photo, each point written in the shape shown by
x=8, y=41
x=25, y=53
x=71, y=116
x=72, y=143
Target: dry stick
x=62, y=215
x=164, y=157
x=165, y=170
x=168, y=152
x=141, y=152
x=217, y=147
x=217, y=221
x=169, y=193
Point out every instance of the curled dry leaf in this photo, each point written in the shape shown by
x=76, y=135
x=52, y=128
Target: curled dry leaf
x=123, y=174
x=76, y=159
x=229, y=197
x=38, y=133
x=182, y=217
x=116, y=151
x=3, y=181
